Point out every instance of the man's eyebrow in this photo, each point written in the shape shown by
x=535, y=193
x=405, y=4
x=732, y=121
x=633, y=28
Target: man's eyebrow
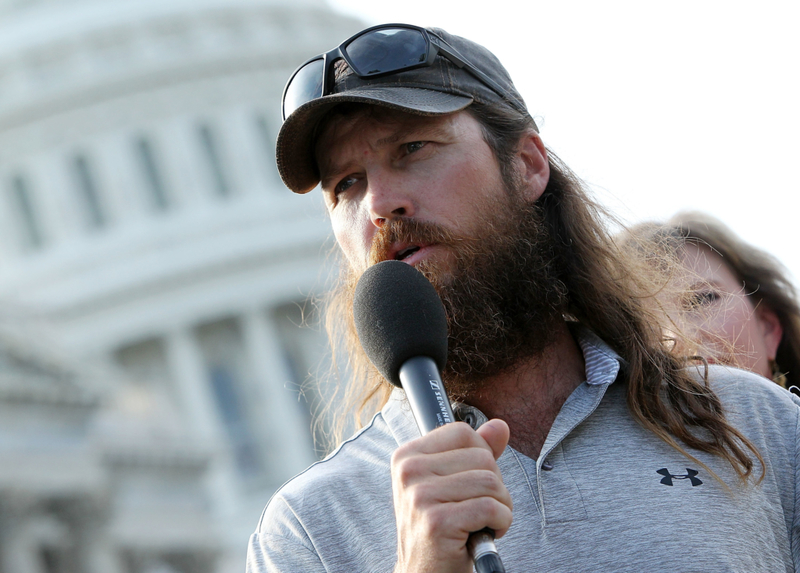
x=422, y=131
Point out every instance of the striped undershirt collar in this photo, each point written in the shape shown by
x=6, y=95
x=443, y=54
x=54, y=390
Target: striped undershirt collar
x=601, y=362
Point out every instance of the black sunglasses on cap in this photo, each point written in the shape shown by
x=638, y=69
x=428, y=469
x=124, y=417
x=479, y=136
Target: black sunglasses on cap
x=377, y=51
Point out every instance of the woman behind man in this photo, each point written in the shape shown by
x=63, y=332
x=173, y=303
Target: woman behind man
x=735, y=299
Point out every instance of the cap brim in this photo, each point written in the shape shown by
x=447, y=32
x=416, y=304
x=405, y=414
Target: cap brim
x=295, y=147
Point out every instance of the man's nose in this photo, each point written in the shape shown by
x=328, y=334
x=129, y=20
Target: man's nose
x=388, y=200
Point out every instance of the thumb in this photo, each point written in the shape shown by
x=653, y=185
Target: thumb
x=496, y=434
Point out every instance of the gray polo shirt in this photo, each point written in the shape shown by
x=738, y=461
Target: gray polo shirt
x=604, y=495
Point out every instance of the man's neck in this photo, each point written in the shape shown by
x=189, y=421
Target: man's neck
x=530, y=396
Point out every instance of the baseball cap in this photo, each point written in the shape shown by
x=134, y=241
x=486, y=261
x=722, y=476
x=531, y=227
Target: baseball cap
x=462, y=72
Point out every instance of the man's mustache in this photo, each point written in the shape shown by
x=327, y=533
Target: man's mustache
x=410, y=232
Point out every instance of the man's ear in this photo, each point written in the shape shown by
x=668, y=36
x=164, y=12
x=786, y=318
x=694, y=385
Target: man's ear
x=771, y=329
x=534, y=167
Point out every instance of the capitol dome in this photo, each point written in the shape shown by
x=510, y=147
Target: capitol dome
x=144, y=227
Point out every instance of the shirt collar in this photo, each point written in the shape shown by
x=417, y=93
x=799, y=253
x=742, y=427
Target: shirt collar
x=601, y=362
x=602, y=366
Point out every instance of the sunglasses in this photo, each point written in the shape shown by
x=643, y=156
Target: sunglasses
x=377, y=51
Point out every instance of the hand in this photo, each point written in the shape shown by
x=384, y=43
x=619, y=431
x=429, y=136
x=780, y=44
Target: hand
x=446, y=485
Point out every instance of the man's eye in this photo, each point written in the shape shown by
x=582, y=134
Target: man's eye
x=414, y=146
x=344, y=185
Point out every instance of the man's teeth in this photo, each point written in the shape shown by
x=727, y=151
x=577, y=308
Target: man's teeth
x=406, y=253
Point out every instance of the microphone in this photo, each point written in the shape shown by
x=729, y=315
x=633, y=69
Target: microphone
x=402, y=327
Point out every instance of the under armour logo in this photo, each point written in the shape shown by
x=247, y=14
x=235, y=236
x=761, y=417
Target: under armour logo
x=668, y=477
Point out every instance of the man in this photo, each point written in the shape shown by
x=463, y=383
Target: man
x=601, y=451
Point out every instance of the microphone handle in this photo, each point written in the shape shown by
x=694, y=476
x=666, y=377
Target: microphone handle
x=425, y=391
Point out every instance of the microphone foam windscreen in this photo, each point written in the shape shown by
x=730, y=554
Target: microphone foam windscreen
x=399, y=316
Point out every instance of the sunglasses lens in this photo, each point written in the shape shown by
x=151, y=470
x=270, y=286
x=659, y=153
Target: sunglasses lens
x=387, y=50
x=303, y=87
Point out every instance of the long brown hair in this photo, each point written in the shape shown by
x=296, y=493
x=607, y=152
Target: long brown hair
x=763, y=277
x=605, y=294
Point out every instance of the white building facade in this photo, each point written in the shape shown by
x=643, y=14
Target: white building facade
x=94, y=476
x=144, y=226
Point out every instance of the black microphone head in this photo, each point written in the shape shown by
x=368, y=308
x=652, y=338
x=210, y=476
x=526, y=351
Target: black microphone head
x=399, y=316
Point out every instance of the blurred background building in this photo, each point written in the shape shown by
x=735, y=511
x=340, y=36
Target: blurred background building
x=153, y=276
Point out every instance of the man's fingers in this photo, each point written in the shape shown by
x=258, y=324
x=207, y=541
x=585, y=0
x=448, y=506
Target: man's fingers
x=467, y=516
x=446, y=485
x=463, y=486
x=407, y=467
x=496, y=434
x=446, y=438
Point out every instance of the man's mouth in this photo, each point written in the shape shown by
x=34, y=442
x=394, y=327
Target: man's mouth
x=405, y=253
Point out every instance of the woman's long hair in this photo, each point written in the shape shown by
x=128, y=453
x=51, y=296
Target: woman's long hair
x=763, y=277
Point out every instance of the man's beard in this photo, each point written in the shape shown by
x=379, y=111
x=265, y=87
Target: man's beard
x=500, y=287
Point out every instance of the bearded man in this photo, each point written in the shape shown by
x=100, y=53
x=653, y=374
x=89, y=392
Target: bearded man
x=587, y=444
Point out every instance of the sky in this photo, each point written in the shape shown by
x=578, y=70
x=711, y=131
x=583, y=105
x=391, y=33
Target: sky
x=659, y=106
